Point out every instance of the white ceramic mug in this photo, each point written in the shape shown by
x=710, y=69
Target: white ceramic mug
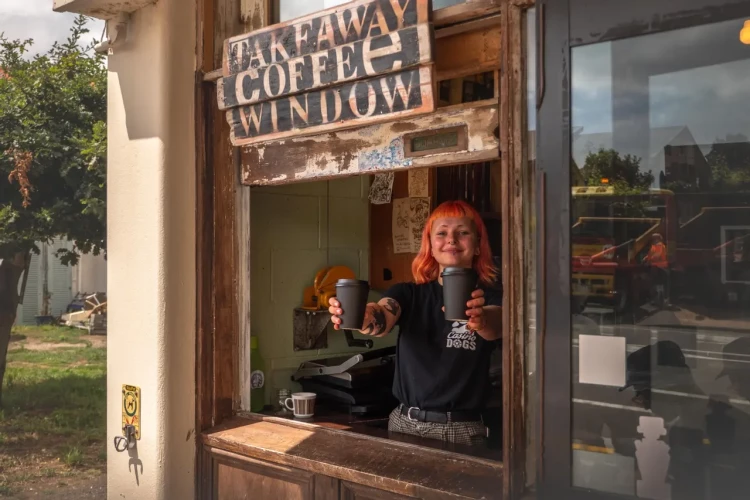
x=302, y=404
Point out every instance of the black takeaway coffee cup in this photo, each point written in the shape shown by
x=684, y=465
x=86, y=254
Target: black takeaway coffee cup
x=352, y=295
x=458, y=285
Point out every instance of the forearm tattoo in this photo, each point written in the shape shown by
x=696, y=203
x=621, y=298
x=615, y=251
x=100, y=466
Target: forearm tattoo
x=392, y=306
x=377, y=325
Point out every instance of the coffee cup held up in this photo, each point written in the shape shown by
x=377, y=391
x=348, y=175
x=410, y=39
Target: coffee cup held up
x=458, y=285
x=352, y=295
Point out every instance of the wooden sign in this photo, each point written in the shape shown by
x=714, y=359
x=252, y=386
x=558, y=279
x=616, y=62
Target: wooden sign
x=364, y=62
x=353, y=104
x=365, y=58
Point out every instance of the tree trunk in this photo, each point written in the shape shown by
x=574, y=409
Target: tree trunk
x=10, y=274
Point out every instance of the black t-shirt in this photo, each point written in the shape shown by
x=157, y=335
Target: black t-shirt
x=440, y=365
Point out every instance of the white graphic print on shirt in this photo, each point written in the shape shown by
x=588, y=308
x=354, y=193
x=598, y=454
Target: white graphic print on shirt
x=461, y=338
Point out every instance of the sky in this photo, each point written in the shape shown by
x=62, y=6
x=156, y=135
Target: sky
x=22, y=19
x=695, y=78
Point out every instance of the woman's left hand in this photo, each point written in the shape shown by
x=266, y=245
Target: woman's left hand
x=475, y=312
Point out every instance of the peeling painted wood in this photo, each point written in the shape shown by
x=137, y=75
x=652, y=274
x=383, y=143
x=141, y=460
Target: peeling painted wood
x=254, y=14
x=373, y=149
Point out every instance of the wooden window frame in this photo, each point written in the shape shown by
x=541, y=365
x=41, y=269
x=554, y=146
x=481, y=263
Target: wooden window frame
x=223, y=246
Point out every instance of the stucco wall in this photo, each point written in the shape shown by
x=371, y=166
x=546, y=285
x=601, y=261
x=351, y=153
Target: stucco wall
x=297, y=230
x=151, y=251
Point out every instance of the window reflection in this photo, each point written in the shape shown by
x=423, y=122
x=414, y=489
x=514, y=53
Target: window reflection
x=660, y=271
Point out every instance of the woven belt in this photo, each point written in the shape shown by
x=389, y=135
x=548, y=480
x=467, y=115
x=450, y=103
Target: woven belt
x=439, y=417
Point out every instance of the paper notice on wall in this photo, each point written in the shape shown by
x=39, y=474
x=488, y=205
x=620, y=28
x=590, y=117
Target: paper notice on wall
x=409, y=218
x=418, y=179
x=401, y=226
x=381, y=189
x=419, y=212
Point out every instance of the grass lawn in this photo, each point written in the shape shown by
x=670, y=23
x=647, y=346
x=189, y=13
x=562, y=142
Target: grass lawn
x=53, y=419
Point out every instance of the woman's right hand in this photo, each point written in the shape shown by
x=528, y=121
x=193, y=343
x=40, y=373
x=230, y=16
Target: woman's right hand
x=336, y=312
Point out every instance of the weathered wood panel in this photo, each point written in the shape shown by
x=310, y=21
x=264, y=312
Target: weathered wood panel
x=468, y=53
x=513, y=143
x=326, y=488
x=237, y=478
x=254, y=14
x=322, y=30
x=351, y=491
x=350, y=105
x=365, y=58
x=470, y=9
x=371, y=150
x=388, y=465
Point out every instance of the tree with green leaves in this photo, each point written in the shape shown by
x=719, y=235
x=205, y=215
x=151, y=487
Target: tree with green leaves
x=52, y=159
x=623, y=172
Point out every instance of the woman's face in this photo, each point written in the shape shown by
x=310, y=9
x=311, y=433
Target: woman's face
x=454, y=242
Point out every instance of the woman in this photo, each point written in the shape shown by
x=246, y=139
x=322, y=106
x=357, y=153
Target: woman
x=442, y=368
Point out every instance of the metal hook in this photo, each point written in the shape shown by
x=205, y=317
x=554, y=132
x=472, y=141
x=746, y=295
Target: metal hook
x=126, y=442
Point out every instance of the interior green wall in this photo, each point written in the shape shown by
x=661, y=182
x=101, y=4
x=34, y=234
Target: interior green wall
x=295, y=231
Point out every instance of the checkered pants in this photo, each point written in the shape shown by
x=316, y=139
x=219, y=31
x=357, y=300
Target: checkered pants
x=467, y=433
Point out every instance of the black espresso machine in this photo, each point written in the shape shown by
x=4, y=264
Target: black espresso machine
x=360, y=384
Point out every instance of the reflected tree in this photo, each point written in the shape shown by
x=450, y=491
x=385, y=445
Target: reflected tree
x=729, y=160
x=623, y=172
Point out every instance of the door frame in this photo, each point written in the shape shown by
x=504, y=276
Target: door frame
x=561, y=26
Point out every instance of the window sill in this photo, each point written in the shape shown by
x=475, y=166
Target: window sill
x=337, y=451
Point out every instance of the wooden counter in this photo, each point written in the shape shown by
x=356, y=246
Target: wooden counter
x=267, y=457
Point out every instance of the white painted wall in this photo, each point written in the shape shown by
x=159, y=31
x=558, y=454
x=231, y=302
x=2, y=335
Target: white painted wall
x=151, y=251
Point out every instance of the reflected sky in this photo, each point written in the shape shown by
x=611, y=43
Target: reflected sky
x=531, y=67
x=694, y=78
x=291, y=9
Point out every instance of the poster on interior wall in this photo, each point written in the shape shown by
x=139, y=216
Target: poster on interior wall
x=381, y=189
x=419, y=211
x=418, y=183
x=401, y=229
x=364, y=62
x=409, y=218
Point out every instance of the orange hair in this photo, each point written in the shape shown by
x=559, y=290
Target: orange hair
x=425, y=268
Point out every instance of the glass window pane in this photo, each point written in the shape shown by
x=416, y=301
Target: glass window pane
x=290, y=9
x=530, y=248
x=660, y=245
x=440, y=4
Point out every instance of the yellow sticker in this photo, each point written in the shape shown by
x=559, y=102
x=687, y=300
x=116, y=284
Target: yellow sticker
x=131, y=408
